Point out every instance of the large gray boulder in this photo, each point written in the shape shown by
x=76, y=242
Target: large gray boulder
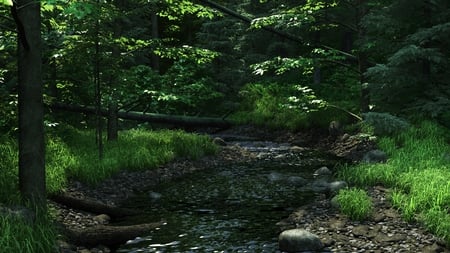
x=298, y=240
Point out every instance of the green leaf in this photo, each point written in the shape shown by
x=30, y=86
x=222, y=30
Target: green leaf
x=7, y=2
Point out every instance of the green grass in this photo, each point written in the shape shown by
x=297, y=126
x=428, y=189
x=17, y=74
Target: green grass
x=72, y=154
x=16, y=235
x=355, y=203
x=418, y=173
x=135, y=150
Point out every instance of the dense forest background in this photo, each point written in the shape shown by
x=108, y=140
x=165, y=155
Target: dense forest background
x=68, y=67
x=307, y=61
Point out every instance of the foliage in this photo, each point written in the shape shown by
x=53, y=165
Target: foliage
x=183, y=89
x=143, y=149
x=355, y=203
x=10, y=160
x=16, y=235
x=418, y=170
x=385, y=123
x=276, y=106
x=410, y=72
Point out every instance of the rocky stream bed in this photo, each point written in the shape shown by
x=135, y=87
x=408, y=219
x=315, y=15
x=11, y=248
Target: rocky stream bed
x=385, y=231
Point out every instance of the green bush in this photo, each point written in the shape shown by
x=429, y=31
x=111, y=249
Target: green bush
x=355, y=203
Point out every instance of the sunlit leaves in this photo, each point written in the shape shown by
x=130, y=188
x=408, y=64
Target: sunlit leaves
x=280, y=65
x=304, y=99
x=199, y=55
x=6, y=2
x=298, y=16
x=178, y=8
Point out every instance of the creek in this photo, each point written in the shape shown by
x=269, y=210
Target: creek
x=233, y=208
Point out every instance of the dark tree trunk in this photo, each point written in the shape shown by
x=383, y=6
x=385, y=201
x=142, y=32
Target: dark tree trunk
x=186, y=121
x=31, y=128
x=362, y=60
x=111, y=236
x=92, y=206
x=113, y=121
x=112, y=127
x=155, y=35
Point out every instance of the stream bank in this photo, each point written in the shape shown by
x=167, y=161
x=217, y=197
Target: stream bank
x=385, y=232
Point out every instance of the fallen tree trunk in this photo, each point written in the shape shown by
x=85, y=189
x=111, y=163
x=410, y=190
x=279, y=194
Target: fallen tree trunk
x=110, y=236
x=149, y=117
x=92, y=206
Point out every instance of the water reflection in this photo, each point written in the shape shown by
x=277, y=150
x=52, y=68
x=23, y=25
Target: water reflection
x=231, y=209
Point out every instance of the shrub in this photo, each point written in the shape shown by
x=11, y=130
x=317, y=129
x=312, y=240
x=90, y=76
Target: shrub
x=355, y=203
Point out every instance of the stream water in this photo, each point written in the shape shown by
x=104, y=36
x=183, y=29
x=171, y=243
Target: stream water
x=227, y=209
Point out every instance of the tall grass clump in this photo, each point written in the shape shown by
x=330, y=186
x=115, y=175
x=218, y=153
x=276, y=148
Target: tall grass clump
x=18, y=235
x=134, y=150
x=418, y=170
x=8, y=170
x=355, y=203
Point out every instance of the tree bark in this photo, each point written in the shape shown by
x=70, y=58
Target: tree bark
x=110, y=236
x=31, y=127
x=155, y=35
x=92, y=206
x=113, y=121
x=187, y=121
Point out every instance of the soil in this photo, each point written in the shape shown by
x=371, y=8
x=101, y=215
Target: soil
x=384, y=232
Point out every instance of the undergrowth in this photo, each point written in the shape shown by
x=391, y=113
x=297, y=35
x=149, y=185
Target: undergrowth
x=17, y=235
x=72, y=154
x=418, y=170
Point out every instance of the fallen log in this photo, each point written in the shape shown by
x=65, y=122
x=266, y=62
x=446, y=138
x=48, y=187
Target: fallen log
x=110, y=236
x=93, y=206
x=148, y=117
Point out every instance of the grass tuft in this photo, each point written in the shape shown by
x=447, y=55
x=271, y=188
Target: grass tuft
x=355, y=203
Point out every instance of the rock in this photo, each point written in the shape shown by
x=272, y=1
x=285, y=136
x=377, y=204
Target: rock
x=275, y=177
x=337, y=224
x=390, y=238
x=361, y=230
x=154, y=196
x=320, y=186
x=334, y=203
x=335, y=186
x=322, y=171
x=435, y=248
x=296, y=180
x=102, y=219
x=345, y=137
x=375, y=156
x=297, y=240
x=219, y=141
x=328, y=241
x=297, y=149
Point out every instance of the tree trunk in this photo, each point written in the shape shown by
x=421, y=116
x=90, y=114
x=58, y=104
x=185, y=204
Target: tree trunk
x=92, y=206
x=155, y=35
x=110, y=236
x=113, y=121
x=31, y=127
x=362, y=60
x=150, y=117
